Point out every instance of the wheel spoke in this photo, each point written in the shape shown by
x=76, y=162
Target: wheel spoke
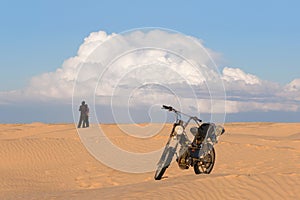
x=206, y=164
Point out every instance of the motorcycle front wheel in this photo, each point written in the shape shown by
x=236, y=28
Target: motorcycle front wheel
x=206, y=164
x=164, y=162
x=159, y=173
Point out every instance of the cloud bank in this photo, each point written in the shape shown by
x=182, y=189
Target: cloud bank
x=150, y=76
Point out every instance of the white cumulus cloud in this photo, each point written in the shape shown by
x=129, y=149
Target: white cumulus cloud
x=109, y=65
x=294, y=85
x=236, y=74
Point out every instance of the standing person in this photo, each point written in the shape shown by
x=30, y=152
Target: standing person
x=82, y=118
x=86, y=122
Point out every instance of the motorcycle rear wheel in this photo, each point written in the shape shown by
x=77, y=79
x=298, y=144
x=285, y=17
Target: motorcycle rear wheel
x=205, y=166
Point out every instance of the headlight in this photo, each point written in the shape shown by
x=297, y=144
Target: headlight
x=179, y=129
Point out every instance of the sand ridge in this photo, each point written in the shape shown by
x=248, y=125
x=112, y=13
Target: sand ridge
x=48, y=161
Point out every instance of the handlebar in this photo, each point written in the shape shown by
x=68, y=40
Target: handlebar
x=170, y=108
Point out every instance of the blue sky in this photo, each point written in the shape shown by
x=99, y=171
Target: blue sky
x=259, y=37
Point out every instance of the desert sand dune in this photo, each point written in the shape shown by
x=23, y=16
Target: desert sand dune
x=48, y=161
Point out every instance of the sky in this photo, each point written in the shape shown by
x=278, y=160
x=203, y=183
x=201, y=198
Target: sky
x=261, y=38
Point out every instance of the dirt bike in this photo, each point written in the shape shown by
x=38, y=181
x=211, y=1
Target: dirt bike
x=199, y=153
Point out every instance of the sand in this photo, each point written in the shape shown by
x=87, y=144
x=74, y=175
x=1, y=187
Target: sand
x=48, y=161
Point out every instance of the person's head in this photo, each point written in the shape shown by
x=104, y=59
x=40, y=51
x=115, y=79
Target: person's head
x=83, y=102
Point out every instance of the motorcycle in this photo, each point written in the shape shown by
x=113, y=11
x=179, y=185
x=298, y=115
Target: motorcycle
x=198, y=153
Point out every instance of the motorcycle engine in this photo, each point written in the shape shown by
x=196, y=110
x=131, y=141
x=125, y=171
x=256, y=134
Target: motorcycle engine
x=183, y=161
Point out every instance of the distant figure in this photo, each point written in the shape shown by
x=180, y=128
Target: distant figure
x=83, y=117
x=86, y=122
